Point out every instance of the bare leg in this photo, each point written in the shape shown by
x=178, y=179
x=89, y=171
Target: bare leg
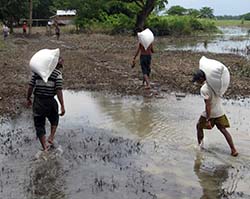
x=147, y=81
x=143, y=81
x=52, y=134
x=42, y=140
x=229, y=139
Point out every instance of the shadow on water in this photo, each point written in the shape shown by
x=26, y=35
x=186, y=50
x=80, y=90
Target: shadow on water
x=127, y=147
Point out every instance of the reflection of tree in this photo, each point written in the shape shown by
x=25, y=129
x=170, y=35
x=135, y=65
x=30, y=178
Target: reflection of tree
x=137, y=118
x=46, y=180
x=211, y=180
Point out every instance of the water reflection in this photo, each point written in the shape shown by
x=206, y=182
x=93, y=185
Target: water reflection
x=211, y=177
x=162, y=159
x=135, y=115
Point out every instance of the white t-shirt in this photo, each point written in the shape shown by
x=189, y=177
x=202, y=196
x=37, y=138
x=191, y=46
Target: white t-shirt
x=216, y=105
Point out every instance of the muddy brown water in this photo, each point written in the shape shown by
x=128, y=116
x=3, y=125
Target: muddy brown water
x=127, y=147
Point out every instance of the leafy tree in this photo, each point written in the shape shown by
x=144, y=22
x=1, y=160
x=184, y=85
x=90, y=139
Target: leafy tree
x=92, y=10
x=11, y=11
x=246, y=16
x=177, y=10
x=41, y=9
x=145, y=7
x=206, y=12
x=87, y=10
x=193, y=12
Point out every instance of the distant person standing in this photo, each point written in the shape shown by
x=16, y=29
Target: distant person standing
x=57, y=31
x=24, y=28
x=145, y=62
x=5, y=31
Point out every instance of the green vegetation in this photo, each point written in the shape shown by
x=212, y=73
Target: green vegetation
x=121, y=16
x=180, y=25
x=2, y=44
x=242, y=23
x=160, y=25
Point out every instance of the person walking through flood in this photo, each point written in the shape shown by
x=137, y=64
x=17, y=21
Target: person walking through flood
x=145, y=62
x=214, y=114
x=44, y=103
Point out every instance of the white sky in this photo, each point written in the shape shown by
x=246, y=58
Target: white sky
x=220, y=7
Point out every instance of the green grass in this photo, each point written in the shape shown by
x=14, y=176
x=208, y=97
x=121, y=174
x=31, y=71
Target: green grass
x=240, y=23
x=2, y=45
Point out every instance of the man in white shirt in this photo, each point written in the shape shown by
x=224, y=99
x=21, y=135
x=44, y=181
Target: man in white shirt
x=213, y=114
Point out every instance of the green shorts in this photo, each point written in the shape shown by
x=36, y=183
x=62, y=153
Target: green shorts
x=221, y=121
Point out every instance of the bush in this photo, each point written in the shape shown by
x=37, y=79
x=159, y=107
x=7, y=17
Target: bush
x=179, y=25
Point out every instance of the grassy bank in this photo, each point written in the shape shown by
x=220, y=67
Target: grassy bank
x=240, y=23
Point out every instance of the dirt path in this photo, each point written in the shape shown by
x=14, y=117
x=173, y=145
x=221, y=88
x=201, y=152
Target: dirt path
x=102, y=62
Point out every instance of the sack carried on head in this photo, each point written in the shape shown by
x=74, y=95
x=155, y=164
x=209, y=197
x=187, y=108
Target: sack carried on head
x=146, y=37
x=44, y=62
x=217, y=75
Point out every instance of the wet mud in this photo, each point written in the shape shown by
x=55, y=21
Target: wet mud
x=127, y=147
x=137, y=144
x=100, y=62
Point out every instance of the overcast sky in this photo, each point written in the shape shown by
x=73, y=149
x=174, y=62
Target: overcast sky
x=220, y=7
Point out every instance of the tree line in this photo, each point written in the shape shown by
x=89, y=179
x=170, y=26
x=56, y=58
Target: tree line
x=88, y=11
x=115, y=15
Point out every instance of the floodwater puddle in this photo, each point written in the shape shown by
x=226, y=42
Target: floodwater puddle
x=127, y=147
x=233, y=40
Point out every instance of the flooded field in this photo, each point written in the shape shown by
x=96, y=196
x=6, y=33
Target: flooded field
x=232, y=40
x=127, y=148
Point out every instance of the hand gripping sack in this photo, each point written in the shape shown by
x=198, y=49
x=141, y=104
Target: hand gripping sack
x=146, y=37
x=44, y=62
x=217, y=75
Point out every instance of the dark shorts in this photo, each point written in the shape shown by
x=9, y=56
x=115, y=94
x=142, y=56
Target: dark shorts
x=219, y=121
x=145, y=61
x=44, y=108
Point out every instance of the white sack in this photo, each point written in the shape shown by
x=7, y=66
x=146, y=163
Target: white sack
x=146, y=37
x=44, y=62
x=217, y=75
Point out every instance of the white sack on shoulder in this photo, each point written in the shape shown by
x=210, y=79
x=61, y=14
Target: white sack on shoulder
x=44, y=62
x=146, y=37
x=217, y=75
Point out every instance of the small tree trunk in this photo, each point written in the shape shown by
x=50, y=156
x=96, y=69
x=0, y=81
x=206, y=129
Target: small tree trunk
x=30, y=19
x=10, y=24
x=143, y=14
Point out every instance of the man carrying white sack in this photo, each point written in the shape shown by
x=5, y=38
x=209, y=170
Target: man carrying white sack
x=145, y=51
x=213, y=114
x=44, y=103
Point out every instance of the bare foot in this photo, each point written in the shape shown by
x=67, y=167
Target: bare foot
x=50, y=140
x=234, y=153
x=46, y=149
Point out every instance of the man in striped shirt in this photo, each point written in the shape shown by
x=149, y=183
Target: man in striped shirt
x=44, y=103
